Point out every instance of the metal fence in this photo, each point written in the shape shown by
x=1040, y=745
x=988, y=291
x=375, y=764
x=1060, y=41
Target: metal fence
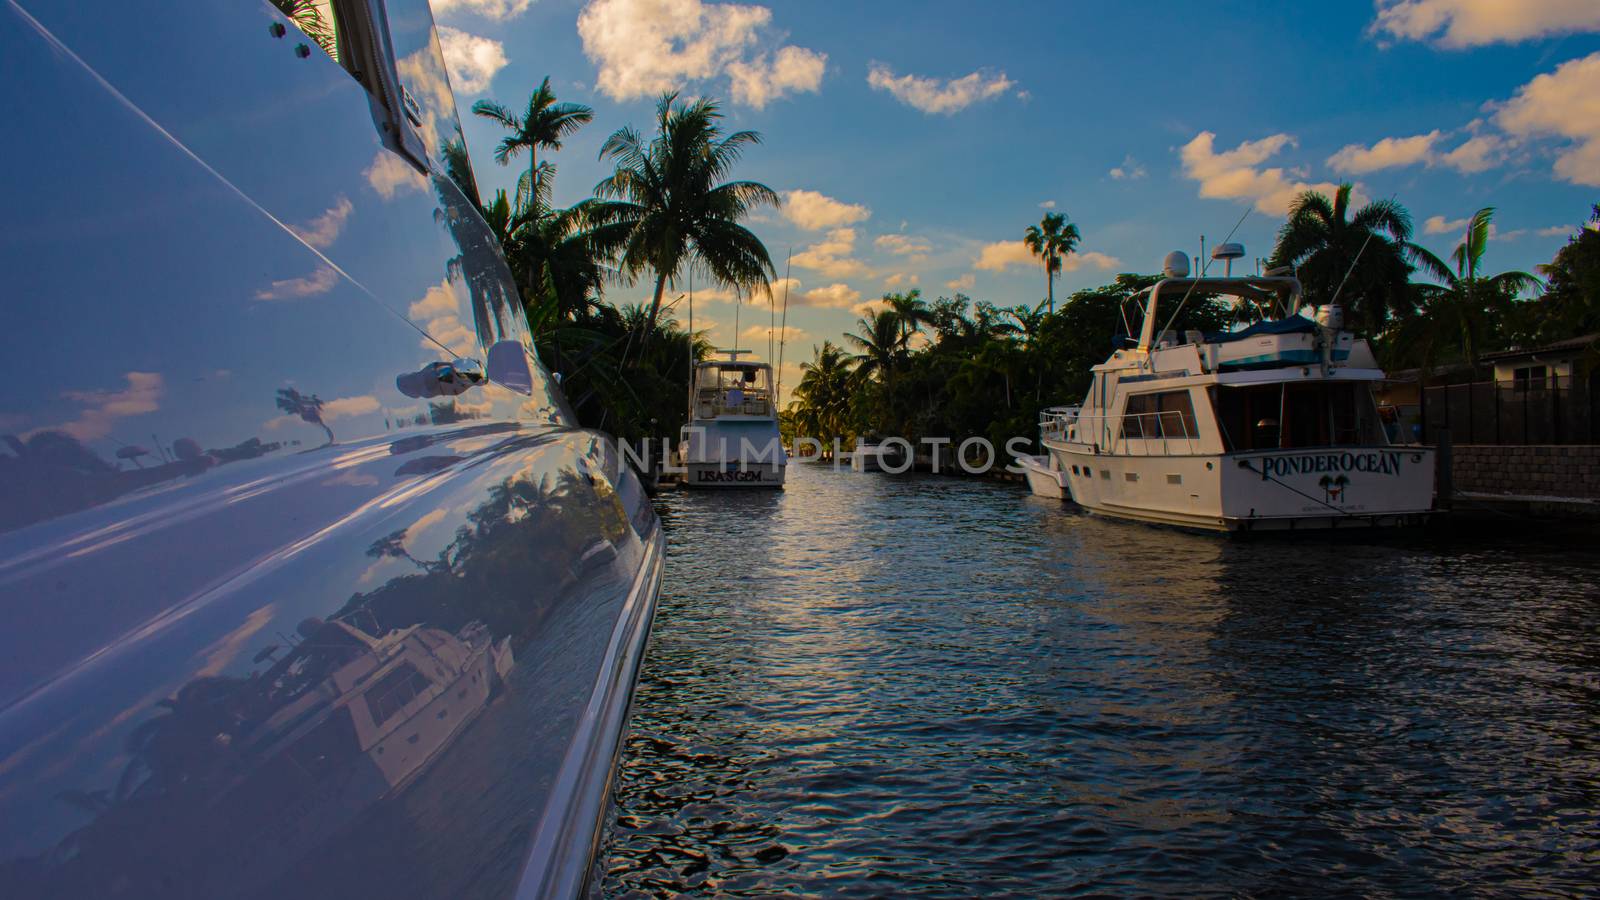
x=1557, y=410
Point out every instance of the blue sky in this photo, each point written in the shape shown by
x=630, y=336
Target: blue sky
x=925, y=136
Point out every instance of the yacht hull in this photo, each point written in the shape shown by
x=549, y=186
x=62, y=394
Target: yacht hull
x=1044, y=480
x=733, y=476
x=1332, y=488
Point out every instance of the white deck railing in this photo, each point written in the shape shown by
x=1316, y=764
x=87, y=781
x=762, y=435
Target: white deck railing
x=710, y=403
x=1169, y=433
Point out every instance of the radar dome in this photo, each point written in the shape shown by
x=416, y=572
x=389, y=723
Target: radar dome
x=1176, y=265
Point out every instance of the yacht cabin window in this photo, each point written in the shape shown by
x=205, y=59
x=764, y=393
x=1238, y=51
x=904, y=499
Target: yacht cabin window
x=1297, y=416
x=1168, y=414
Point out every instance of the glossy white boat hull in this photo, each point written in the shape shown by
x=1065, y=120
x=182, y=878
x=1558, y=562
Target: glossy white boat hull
x=1273, y=490
x=731, y=475
x=1044, y=480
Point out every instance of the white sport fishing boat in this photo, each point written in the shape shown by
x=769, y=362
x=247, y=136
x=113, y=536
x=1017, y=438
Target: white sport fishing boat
x=1270, y=427
x=732, y=440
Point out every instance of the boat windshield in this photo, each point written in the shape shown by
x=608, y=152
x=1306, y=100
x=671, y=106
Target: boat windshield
x=1294, y=416
x=734, y=389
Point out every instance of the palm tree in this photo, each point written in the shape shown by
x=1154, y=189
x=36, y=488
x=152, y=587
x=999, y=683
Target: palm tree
x=878, y=338
x=664, y=208
x=911, y=310
x=542, y=126
x=1051, y=240
x=307, y=406
x=1469, y=308
x=821, y=405
x=1324, y=244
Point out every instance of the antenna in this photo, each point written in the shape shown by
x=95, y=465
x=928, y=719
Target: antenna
x=689, y=415
x=1192, y=285
x=783, y=329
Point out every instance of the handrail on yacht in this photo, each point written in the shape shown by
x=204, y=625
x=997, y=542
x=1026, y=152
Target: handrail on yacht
x=713, y=402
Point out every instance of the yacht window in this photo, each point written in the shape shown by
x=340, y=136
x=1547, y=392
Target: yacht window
x=392, y=692
x=1169, y=414
x=1270, y=416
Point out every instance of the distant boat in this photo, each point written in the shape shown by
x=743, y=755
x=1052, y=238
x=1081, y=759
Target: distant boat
x=732, y=439
x=875, y=456
x=1270, y=427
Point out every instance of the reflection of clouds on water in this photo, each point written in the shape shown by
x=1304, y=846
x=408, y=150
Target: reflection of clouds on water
x=910, y=664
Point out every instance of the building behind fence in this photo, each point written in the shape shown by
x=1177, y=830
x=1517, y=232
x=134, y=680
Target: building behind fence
x=1550, y=410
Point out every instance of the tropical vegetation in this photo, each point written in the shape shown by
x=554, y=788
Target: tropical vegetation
x=952, y=367
x=980, y=370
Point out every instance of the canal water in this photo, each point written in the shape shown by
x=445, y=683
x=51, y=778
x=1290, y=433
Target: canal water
x=870, y=685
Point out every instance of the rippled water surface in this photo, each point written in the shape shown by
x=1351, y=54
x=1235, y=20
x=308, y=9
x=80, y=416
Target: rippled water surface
x=893, y=685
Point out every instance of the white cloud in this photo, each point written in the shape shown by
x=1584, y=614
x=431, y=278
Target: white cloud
x=1130, y=170
x=345, y=407
x=644, y=47
x=390, y=175
x=793, y=70
x=1469, y=23
x=496, y=10
x=901, y=279
x=1388, y=153
x=319, y=282
x=814, y=211
x=934, y=96
x=1441, y=225
x=833, y=296
x=473, y=60
x=1234, y=174
x=102, y=408
x=787, y=334
x=1556, y=231
x=322, y=231
x=1091, y=258
x=831, y=256
x=914, y=248
x=1002, y=255
x=1047, y=204
x=964, y=283
x=1476, y=154
x=439, y=314
x=1565, y=103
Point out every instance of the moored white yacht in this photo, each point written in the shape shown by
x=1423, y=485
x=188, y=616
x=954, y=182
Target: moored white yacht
x=732, y=440
x=1270, y=427
x=872, y=455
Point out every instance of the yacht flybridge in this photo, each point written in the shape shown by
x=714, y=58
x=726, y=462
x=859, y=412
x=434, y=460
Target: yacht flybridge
x=732, y=440
x=1270, y=427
